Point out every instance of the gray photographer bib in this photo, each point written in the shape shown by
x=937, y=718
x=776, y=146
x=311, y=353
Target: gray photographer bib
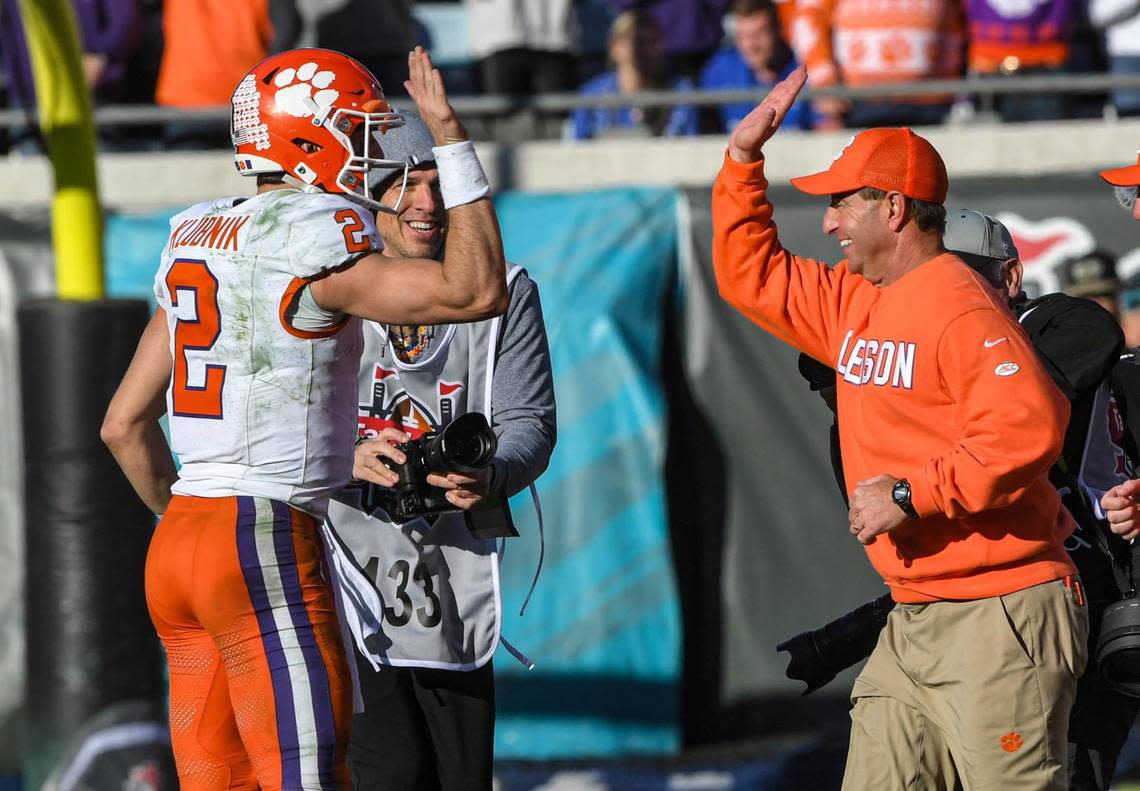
x=425, y=593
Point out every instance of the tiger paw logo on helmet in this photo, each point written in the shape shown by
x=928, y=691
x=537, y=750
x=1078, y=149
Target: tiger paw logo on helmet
x=295, y=94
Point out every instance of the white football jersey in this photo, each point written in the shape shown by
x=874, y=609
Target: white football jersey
x=257, y=407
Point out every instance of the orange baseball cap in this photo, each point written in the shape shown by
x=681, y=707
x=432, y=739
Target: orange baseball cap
x=895, y=160
x=1124, y=177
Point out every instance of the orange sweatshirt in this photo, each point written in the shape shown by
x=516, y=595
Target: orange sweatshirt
x=210, y=45
x=937, y=384
x=866, y=42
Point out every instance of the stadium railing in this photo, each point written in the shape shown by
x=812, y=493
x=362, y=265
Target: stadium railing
x=984, y=89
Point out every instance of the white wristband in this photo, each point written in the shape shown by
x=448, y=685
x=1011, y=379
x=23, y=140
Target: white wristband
x=461, y=176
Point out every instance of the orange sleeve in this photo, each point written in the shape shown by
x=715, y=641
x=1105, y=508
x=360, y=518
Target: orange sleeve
x=798, y=300
x=1012, y=419
x=811, y=40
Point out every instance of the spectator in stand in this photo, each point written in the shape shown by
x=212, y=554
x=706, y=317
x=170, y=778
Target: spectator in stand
x=636, y=51
x=377, y=33
x=1092, y=276
x=1120, y=20
x=759, y=59
x=209, y=47
x=1013, y=39
x=109, y=32
x=521, y=48
x=526, y=47
x=869, y=42
x=693, y=30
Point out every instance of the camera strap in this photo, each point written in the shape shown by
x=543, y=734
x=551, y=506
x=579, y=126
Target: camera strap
x=526, y=661
x=502, y=550
x=541, y=552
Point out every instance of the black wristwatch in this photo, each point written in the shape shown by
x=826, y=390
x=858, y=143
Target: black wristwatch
x=901, y=496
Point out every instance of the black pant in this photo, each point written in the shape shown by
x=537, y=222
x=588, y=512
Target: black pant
x=522, y=72
x=423, y=729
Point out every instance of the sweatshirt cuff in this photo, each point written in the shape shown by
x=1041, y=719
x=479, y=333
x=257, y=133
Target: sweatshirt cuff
x=497, y=486
x=741, y=172
x=921, y=494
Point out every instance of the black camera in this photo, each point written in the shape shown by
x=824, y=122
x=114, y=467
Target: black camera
x=819, y=655
x=466, y=444
x=1118, y=644
x=1118, y=647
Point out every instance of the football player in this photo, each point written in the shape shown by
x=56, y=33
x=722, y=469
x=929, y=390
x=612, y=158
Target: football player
x=253, y=355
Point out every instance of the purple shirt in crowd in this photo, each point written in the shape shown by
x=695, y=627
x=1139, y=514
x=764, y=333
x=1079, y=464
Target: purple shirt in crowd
x=106, y=27
x=690, y=26
x=1028, y=29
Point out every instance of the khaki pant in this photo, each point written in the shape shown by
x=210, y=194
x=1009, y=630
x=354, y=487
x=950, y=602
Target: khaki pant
x=972, y=694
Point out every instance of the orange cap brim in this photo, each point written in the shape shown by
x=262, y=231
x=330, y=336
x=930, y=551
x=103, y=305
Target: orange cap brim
x=825, y=183
x=1123, y=177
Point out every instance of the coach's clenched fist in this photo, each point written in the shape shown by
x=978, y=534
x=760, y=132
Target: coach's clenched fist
x=873, y=510
x=1121, y=506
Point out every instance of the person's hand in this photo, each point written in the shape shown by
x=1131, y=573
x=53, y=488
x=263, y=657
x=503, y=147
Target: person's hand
x=425, y=86
x=93, y=65
x=464, y=491
x=873, y=511
x=1121, y=506
x=366, y=464
x=751, y=133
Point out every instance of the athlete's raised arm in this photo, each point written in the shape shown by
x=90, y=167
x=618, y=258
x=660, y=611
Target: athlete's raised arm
x=470, y=282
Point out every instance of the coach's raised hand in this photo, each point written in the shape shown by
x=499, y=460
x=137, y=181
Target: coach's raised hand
x=753, y=132
x=425, y=86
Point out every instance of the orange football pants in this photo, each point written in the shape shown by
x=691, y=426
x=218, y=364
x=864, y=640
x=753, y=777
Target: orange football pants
x=260, y=692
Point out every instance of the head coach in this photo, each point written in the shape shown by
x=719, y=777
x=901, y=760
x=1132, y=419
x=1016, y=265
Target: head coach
x=949, y=426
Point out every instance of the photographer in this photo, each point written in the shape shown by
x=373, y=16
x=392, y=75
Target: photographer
x=421, y=597
x=1079, y=345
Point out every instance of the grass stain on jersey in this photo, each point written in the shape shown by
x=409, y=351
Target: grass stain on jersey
x=241, y=318
x=269, y=218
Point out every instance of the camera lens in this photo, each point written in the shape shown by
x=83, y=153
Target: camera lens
x=1118, y=648
x=468, y=450
x=466, y=443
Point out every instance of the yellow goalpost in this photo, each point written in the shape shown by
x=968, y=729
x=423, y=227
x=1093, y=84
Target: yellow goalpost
x=64, y=104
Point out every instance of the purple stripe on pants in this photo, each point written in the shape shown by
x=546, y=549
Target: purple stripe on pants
x=278, y=665
x=306, y=639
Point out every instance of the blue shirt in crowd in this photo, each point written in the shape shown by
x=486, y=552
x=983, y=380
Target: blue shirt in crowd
x=726, y=69
x=587, y=122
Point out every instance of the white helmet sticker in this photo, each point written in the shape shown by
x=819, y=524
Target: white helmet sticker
x=295, y=90
x=247, y=125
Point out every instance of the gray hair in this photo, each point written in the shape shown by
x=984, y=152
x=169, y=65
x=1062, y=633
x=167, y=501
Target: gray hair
x=1126, y=196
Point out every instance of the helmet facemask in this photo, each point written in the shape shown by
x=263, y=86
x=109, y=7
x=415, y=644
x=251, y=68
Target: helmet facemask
x=361, y=134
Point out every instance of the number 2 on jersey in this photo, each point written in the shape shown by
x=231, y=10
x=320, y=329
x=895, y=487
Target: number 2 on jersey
x=355, y=237
x=190, y=279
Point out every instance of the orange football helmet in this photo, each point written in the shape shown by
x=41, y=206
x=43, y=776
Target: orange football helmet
x=316, y=115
